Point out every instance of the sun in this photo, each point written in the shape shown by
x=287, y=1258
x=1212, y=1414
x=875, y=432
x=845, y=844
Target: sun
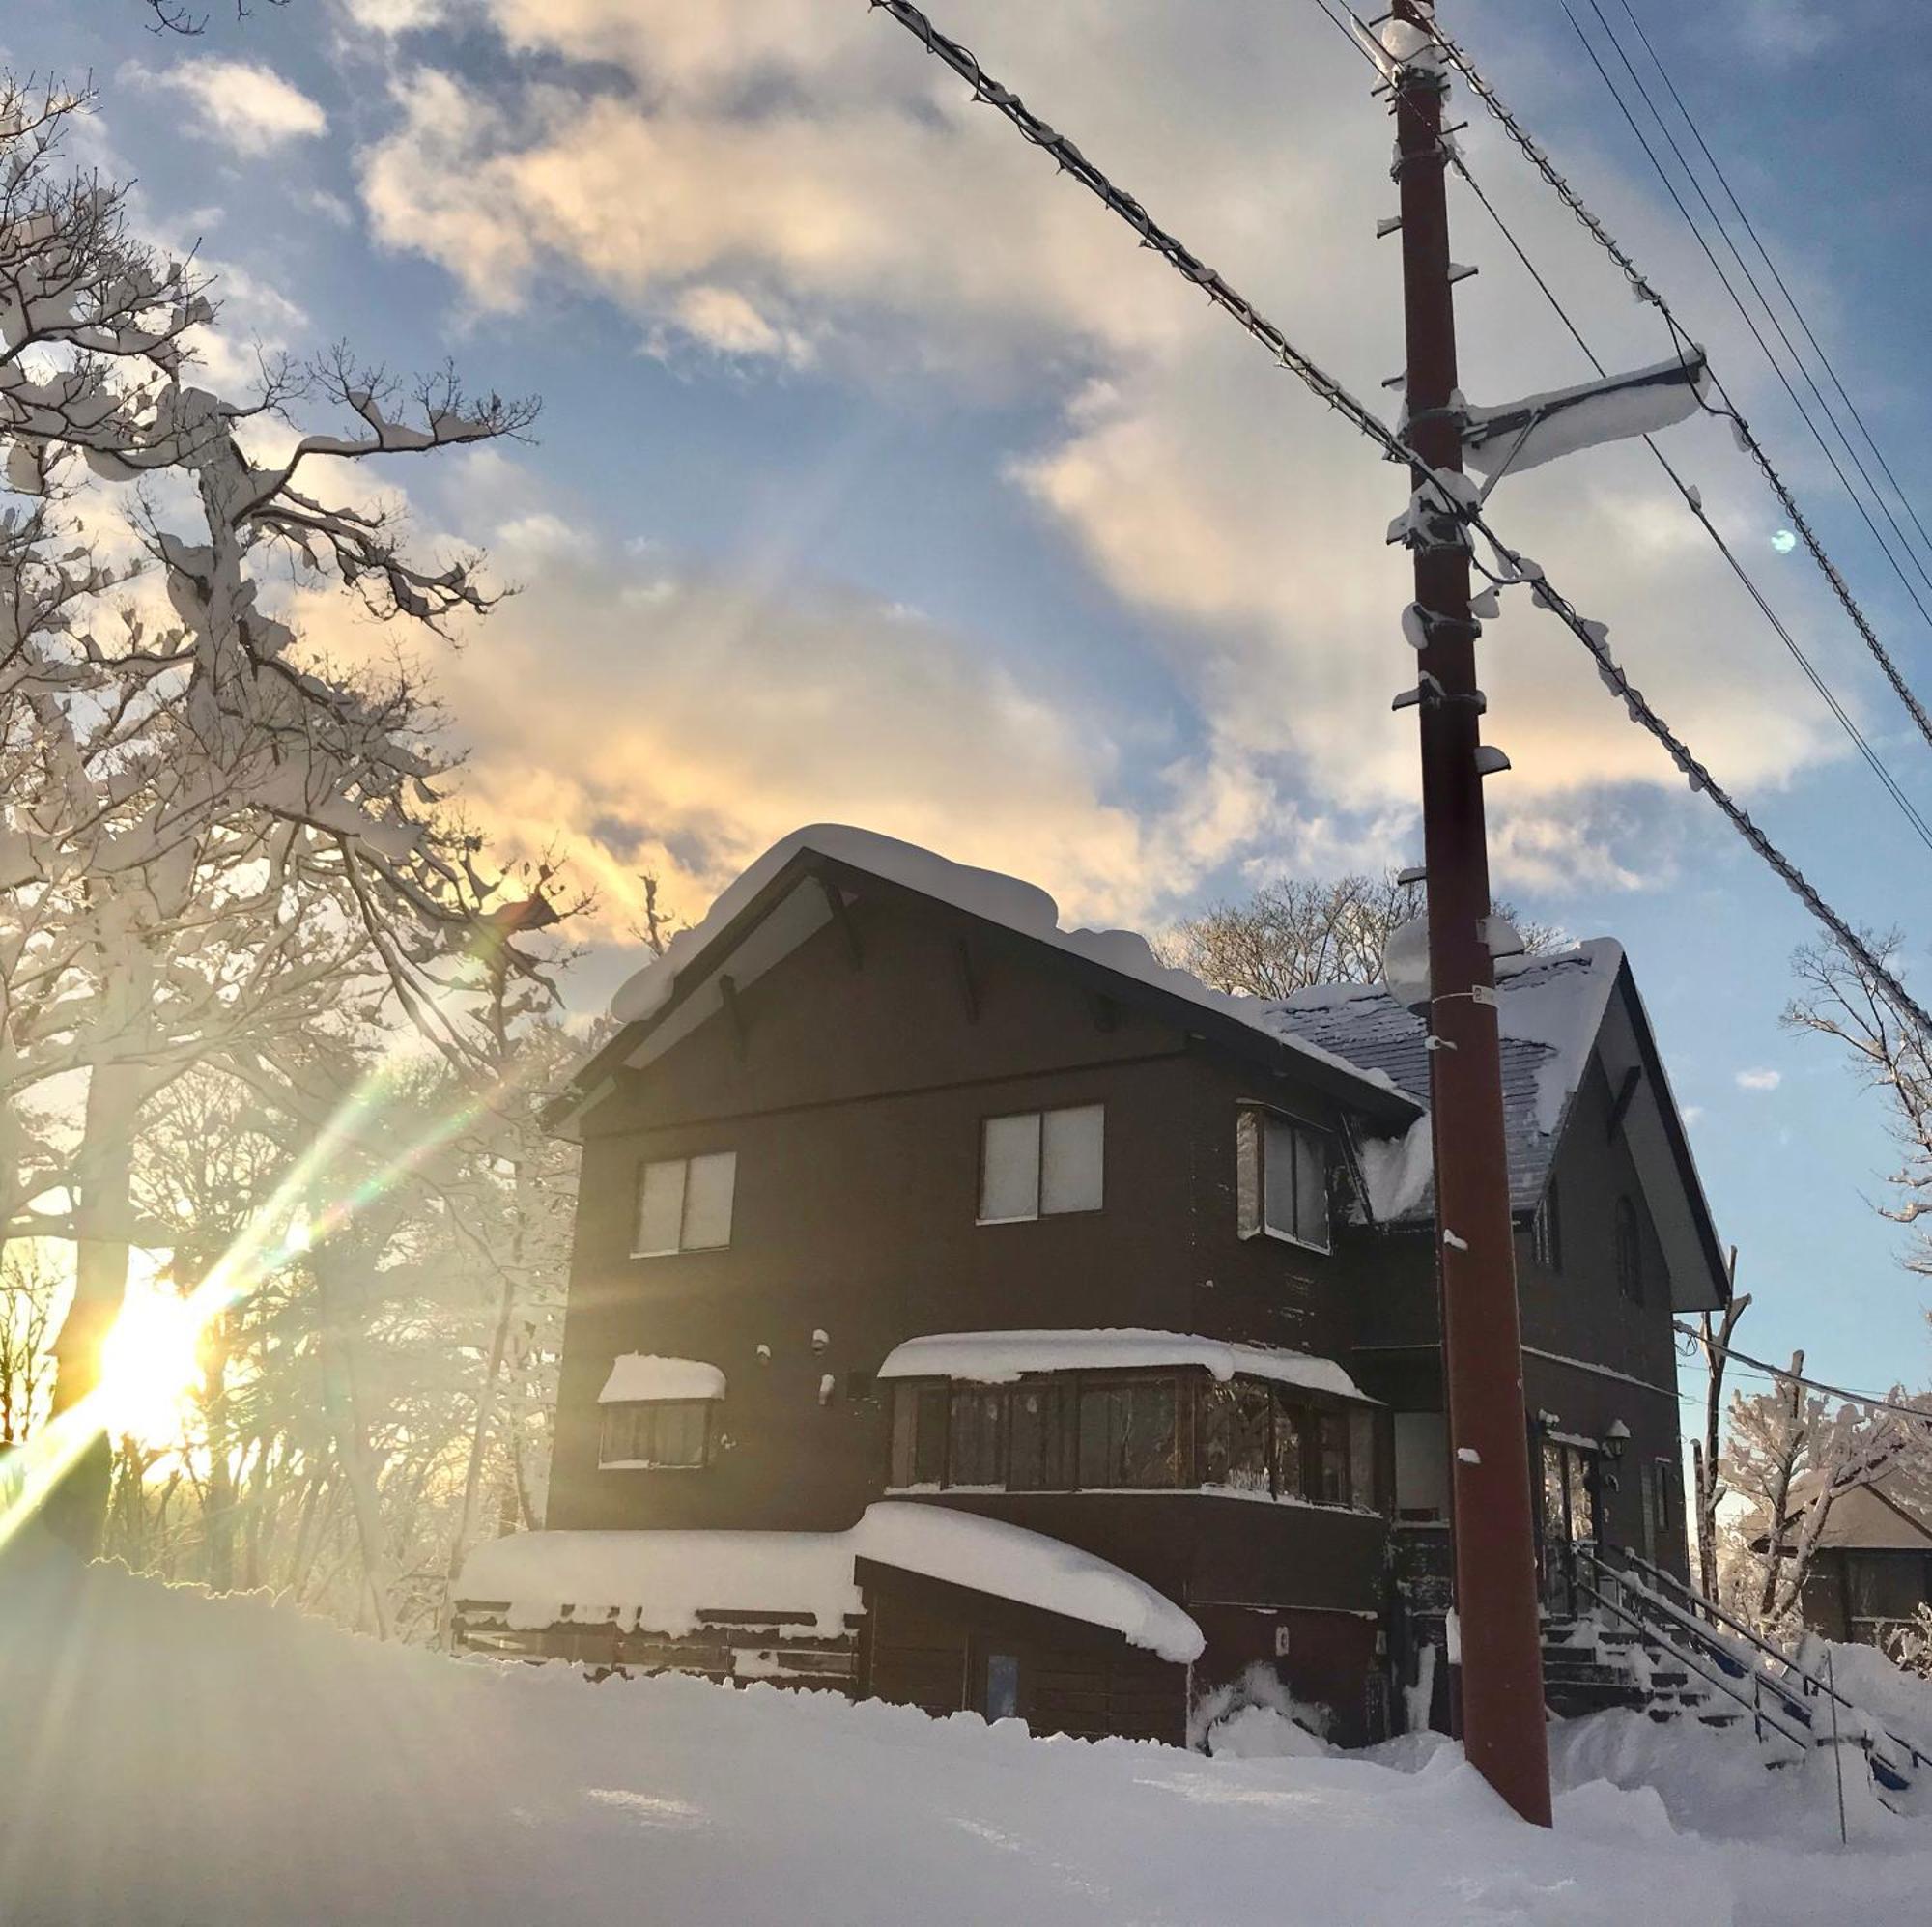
x=147, y=1364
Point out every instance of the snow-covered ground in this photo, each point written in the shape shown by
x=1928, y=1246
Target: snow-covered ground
x=173, y=1759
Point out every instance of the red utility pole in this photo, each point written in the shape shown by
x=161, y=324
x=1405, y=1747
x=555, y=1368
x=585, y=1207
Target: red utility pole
x=1482, y=1347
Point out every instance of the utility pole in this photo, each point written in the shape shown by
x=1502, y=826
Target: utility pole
x=1482, y=1344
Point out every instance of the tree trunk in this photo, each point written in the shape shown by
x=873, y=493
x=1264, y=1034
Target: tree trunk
x=1780, y=1492
x=76, y=1507
x=1710, y=1487
x=351, y=1445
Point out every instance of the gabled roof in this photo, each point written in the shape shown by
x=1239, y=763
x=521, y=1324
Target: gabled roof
x=1556, y=1013
x=1878, y=1516
x=787, y=895
x=1550, y=1011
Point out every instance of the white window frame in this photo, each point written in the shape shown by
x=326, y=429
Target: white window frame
x=1040, y=1209
x=682, y=1166
x=1251, y=1186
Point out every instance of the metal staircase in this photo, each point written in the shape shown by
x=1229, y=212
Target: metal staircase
x=1652, y=1642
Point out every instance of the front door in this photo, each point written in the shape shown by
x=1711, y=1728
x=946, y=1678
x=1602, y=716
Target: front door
x=1569, y=1519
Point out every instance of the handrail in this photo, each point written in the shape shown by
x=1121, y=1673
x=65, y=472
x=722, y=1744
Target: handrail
x=1802, y=1741
x=1817, y=1684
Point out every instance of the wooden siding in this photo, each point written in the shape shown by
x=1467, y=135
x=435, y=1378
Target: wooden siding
x=927, y=1642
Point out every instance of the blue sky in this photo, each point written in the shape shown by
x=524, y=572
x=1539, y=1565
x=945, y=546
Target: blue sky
x=879, y=479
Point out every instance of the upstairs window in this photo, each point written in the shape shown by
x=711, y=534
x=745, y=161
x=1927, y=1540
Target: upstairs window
x=657, y=1435
x=1546, y=1231
x=1281, y=1178
x=684, y=1204
x=1041, y=1163
x=1630, y=1252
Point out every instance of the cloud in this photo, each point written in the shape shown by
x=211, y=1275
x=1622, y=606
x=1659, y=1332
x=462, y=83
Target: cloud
x=243, y=105
x=1759, y=1080
x=789, y=191
x=1781, y=31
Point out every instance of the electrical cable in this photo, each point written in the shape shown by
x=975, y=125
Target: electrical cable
x=1786, y=1377
x=1723, y=181
x=1642, y=287
x=1737, y=301
x=1437, y=495
x=1913, y=817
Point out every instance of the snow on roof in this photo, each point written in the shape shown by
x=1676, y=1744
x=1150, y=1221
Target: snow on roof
x=1006, y=901
x=990, y=1556
x=643, y=1374
x=1877, y=1517
x=999, y=1357
x=662, y=1581
x=1550, y=1008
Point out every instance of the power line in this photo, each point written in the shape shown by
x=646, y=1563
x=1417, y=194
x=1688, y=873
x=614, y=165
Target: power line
x=1791, y=299
x=1690, y=497
x=1439, y=495
x=1786, y=1377
x=1757, y=333
x=1642, y=287
x=1763, y=301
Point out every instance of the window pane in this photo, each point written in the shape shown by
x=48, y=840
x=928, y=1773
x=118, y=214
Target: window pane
x=615, y=1444
x=1143, y=1442
x=707, y=1200
x=1071, y=1159
x=1096, y=1402
x=978, y=1414
x=1421, y=1465
x=1234, y=1435
x=681, y=1432
x=1331, y=1459
x=660, y=1208
x=1009, y=1168
x=1247, y=1173
x=929, y=1463
x=1289, y=1421
x=905, y=1428
x=1003, y=1685
x=1278, y=1176
x=1039, y=1433
x=1362, y=1467
x=1883, y=1586
x=1311, y=1189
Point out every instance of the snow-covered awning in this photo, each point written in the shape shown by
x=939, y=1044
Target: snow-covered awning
x=998, y=1357
x=665, y=1581
x=641, y=1375
x=988, y=1555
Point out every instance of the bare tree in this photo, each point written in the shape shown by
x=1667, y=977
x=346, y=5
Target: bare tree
x=1790, y=1457
x=1707, y=1453
x=1838, y=998
x=1293, y=932
x=31, y=1287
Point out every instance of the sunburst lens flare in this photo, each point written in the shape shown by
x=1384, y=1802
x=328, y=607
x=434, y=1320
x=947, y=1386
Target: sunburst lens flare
x=148, y=1362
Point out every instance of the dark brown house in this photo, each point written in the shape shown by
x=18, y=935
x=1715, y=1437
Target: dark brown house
x=1870, y=1573
x=973, y=1313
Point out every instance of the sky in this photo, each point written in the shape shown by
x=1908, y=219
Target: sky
x=880, y=479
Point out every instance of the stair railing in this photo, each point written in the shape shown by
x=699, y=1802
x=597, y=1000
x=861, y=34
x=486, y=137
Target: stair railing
x=1816, y=1685
x=1604, y=1585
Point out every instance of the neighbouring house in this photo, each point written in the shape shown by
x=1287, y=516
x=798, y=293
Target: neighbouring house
x=1872, y=1564
x=978, y=1314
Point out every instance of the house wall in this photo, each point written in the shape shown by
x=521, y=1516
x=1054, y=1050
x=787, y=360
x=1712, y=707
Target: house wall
x=854, y=1104
x=1625, y=1355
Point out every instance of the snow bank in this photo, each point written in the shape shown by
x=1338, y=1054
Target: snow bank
x=643, y=1375
x=999, y=1357
x=1896, y=1699
x=229, y=1762
x=662, y=1581
x=991, y=1556
x=1007, y=900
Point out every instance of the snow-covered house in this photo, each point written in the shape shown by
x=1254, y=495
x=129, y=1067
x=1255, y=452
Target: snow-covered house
x=979, y=1313
x=1871, y=1569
